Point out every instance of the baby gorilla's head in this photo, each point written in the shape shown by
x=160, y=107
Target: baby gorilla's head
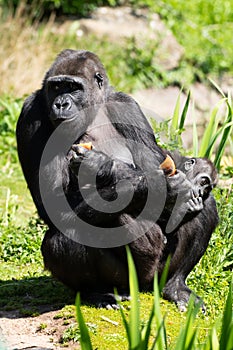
x=202, y=173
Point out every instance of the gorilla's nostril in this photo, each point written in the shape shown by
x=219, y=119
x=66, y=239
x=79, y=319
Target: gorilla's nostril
x=63, y=105
x=66, y=105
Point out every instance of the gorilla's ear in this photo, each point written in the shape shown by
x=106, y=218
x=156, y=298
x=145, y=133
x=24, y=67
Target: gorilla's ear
x=189, y=164
x=99, y=79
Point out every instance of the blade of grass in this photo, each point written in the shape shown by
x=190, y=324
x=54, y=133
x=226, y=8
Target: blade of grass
x=214, y=138
x=187, y=336
x=155, y=345
x=210, y=130
x=217, y=87
x=225, y=136
x=146, y=331
x=125, y=322
x=164, y=275
x=134, y=317
x=184, y=112
x=85, y=340
x=212, y=342
x=176, y=114
x=227, y=328
x=195, y=134
x=161, y=342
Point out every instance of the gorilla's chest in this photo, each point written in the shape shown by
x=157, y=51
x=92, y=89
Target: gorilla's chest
x=106, y=138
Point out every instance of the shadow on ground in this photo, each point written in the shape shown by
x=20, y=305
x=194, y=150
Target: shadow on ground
x=33, y=296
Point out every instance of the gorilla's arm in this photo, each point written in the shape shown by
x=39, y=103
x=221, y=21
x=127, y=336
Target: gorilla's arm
x=32, y=132
x=104, y=180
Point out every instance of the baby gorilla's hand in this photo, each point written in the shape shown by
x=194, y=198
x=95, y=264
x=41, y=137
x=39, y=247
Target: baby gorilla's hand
x=195, y=204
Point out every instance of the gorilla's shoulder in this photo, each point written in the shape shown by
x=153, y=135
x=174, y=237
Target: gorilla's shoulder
x=34, y=107
x=121, y=97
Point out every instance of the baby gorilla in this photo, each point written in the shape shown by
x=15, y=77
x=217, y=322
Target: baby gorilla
x=202, y=174
x=181, y=246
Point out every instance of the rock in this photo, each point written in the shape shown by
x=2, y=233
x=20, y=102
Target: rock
x=160, y=103
x=123, y=22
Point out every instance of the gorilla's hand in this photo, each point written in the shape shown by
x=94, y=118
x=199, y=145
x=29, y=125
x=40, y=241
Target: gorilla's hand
x=179, y=201
x=91, y=160
x=195, y=204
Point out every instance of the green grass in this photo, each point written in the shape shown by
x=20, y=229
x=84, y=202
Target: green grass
x=204, y=29
x=153, y=335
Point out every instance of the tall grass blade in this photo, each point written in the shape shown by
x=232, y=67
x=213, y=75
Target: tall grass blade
x=161, y=339
x=217, y=87
x=146, y=331
x=214, y=139
x=176, y=114
x=210, y=131
x=187, y=336
x=163, y=278
x=134, y=317
x=195, y=134
x=184, y=112
x=85, y=340
x=156, y=345
x=125, y=322
x=225, y=135
x=226, y=339
x=212, y=342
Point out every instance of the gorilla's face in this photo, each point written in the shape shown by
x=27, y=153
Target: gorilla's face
x=81, y=85
x=202, y=173
x=66, y=95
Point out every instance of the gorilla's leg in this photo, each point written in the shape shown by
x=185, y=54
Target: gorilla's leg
x=186, y=246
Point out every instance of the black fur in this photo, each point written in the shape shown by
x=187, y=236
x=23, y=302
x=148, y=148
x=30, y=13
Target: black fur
x=77, y=100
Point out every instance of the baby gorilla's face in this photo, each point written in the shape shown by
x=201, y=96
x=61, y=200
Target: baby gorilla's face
x=202, y=173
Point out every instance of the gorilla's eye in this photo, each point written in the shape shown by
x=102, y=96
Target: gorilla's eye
x=204, y=181
x=99, y=78
x=56, y=87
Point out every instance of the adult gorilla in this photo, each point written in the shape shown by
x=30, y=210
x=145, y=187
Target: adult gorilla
x=96, y=201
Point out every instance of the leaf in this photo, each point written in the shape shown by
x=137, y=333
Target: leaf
x=217, y=87
x=226, y=133
x=134, y=317
x=210, y=131
x=161, y=339
x=176, y=113
x=85, y=340
x=195, y=134
x=227, y=328
x=184, y=112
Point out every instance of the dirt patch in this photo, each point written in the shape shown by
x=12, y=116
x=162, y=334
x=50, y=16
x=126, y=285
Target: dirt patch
x=41, y=332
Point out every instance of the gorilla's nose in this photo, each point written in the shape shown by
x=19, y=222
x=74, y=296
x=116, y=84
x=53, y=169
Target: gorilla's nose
x=62, y=103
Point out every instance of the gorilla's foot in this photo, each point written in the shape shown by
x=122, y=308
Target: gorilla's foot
x=176, y=290
x=105, y=300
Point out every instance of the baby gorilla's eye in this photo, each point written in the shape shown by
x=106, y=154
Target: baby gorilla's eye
x=204, y=181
